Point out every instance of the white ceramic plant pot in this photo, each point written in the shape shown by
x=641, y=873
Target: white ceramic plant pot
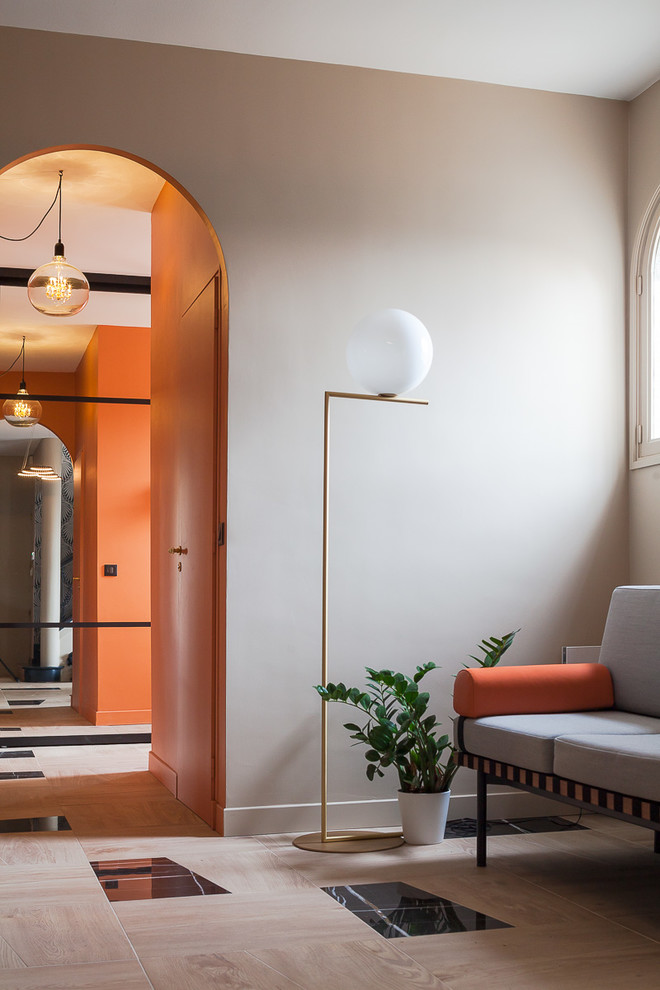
x=423, y=817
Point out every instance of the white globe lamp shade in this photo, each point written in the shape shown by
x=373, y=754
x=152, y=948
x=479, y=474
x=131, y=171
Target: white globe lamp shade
x=389, y=352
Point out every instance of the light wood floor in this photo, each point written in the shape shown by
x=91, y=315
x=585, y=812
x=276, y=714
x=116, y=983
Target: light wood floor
x=584, y=906
x=54, y=713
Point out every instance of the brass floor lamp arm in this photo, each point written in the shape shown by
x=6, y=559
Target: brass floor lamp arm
x=346, y=840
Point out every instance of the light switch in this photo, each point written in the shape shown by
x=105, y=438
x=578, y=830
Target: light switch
x=110, y=570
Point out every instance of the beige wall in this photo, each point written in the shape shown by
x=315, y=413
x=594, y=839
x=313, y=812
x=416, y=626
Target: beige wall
x=643, y=182
x=495, y=215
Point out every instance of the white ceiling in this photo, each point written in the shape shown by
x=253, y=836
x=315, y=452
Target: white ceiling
x=605, y=48
x=14, y=442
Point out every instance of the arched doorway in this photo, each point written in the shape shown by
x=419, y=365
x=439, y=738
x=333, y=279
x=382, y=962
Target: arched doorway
x=188, y=447
x=36, y=536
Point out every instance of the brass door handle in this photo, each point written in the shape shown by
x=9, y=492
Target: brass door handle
x=178, y=550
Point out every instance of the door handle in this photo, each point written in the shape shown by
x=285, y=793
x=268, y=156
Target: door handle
x=178, y=550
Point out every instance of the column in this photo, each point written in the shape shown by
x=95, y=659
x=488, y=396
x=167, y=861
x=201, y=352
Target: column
x=50, y=452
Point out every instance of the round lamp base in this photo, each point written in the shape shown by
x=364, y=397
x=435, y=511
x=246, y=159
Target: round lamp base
x=349, y=841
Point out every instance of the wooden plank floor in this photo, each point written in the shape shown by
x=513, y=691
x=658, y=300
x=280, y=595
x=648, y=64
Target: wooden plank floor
x=583, y=905
x=54, y=712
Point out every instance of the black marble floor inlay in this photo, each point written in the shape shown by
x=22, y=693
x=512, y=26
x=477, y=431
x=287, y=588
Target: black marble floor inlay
x=27, y=701
x=466, y=828
x=145, y=879
x=105, y=739
x=27, y=690
x=14, y=754
x=54, y=823
x=397, y=910
x=19, y=774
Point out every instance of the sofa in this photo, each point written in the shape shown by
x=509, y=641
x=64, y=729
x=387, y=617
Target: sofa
x=587, y=734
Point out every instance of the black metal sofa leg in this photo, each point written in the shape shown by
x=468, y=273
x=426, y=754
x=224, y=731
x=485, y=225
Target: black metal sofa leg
x=656, y=842
x=482, y=801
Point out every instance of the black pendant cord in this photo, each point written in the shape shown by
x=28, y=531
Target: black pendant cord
x=59, y=247
x=58, y=195
x=20, y=354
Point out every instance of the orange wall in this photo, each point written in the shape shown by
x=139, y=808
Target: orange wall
x=85, y=538
x=112, y=671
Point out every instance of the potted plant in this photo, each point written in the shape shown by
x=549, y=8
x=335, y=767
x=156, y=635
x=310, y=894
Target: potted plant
x=400, y=732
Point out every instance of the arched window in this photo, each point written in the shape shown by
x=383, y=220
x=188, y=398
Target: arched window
x=645, y=338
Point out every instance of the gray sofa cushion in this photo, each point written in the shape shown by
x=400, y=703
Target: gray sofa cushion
x=529, y=740
x=631, y=648
x=627, y=764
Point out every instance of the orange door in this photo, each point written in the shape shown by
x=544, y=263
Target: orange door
x=185, y=543
x=194, y=571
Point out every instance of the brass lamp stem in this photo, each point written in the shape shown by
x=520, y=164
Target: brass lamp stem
x=351, y=841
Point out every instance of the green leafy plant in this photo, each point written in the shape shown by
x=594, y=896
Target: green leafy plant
x=493, y=649
x=398, y=730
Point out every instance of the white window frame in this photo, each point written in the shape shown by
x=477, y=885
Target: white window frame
x=644, y=452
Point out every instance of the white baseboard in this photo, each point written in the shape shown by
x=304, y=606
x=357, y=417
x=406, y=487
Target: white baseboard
x=379, y=814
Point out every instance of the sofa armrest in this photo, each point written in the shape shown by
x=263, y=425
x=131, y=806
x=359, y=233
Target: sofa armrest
x=536, y=689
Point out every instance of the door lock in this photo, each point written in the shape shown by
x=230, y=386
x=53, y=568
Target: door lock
x=178, y=550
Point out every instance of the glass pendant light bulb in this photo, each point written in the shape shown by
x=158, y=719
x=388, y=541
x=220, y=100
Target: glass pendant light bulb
x=58, y=288
x=22, y=410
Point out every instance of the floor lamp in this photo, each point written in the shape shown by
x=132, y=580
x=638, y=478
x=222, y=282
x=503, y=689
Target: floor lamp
x=388, y=353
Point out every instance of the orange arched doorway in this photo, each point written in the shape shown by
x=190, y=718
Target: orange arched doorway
x=188, y=431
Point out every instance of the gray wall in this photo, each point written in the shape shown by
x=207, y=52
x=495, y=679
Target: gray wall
x=497, y=216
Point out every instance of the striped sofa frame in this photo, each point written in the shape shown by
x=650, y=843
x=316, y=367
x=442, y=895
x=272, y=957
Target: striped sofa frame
x=639, y=811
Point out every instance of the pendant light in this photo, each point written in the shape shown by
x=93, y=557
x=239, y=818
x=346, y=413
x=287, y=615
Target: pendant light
x=30, y=470
x=58, y=288
x=22, y=411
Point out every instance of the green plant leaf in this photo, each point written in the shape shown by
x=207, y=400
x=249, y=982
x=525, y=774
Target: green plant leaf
x=380, y=737
x=421, y=704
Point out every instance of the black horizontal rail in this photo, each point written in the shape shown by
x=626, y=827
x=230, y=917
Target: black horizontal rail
x=79, y=739
x=98, y=281
x=81, y=398
x=74, y=625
